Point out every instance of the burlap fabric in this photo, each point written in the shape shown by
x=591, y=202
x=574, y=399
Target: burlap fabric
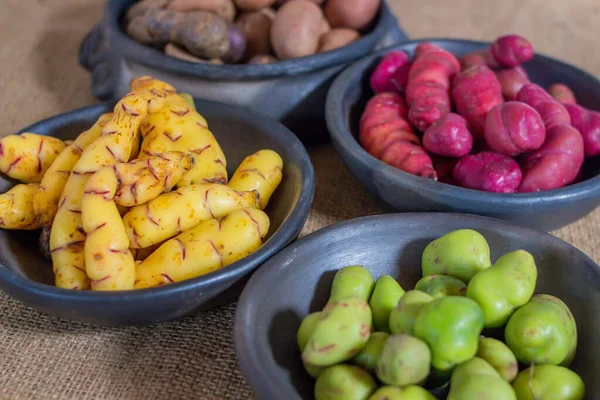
x=42, y=357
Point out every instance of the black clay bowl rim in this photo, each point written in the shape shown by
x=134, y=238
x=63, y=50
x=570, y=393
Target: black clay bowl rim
x=130, y=49
x=286, y=233
x=343, y=140
x=252, y=357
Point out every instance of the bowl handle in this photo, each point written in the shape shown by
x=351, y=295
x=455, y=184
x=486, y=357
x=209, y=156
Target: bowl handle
x=394, y=34
x=96, y=56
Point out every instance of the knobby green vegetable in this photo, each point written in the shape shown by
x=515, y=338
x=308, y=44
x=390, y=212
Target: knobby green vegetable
x=384, y=299
x=402, y=318
x=404, y=393
x=368, y=356
x=405, y=360
x=441, y=285
x=477, y=379
x=461, y=254
x=344, y=382
x=504, y=287
x=352, y=281
x=451, y=326
x=549, y=382
x=307, y=327
x=499, y=356
x=543, y=331
x=340, y=334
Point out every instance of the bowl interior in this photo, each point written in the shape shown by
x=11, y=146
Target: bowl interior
x=297, y=282
x=239, y=134
x=542, y=70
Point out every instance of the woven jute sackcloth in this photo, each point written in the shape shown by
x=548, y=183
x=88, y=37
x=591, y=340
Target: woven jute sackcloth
x=42, y=357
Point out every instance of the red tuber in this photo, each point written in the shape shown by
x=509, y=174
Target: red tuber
x=391, y=74
x=449, y=136
x=489, y=172
x=511, y=50
x=556, y=164
x=512, y=81
x=587, y=122
x=513, y=128
x=562, y=93
x=386, y=134
x=428, y=89
x=476, y=91
x=551, y=111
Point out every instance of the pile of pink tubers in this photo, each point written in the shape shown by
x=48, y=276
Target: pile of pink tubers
x=477, y=121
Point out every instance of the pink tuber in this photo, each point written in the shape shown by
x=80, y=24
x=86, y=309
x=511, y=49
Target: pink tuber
x=512, y=81
x=428, y=89
x=587, y=122
x=556, y=164
x=551, y=111
x=476, y=91
x=562, y=93
x=386, y=134
x=391, y=74
x=489, y=172
x=513, y=128
x=449, y=136
x=511, y=50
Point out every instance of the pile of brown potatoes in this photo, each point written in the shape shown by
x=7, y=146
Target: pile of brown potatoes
x=248, y=31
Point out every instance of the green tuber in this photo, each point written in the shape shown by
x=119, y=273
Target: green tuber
x=460, y=253
x=404, y=393
x=367, y=357
x=441, y=285
x=340, y=334
x=451, y=326
x=499, y=356
x=403, y=317
x=405, y=360
x=504, y=287
x=352, y=281
x=549, y=382
x=385, y=297
x=344, y=382
x=543, y=331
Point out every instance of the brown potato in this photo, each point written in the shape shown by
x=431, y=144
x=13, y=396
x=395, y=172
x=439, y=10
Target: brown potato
x=177, y=52
x=296, y=29
x=325, y=27
x=139, y=8
x=262, y=59
x=222, y=8
x=354, y=14
x=256, y=26
x=282, y=2
x=337, y=38
x=253, y=5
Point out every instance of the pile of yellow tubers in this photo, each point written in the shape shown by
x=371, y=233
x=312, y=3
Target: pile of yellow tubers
x=140, y=199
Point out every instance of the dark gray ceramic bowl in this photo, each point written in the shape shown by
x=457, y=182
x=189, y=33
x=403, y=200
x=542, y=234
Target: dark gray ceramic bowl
x=292, y=91
x=547, y=210
x=28, y=277
x=298, y=279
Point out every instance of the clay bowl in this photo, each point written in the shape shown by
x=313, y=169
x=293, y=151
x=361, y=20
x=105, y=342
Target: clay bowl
x=292, y=91
x=546, y=210
x=27, y=276
x=297, y=281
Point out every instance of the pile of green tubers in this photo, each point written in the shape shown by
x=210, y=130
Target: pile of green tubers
x=374, y=341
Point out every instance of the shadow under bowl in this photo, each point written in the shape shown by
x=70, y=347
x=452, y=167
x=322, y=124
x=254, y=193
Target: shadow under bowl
x=292, y=91
x=547, y=210
x=27, y=276
x=297, y=281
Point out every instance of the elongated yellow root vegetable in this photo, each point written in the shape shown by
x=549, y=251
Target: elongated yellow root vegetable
x=210, y=246
x=178, y=127
x=172, y=213
x=27, y=156
x=16, y=208
x=45, y=202
x=67, y=236
x=143, y=180
x=261, y=171
x=109, y=263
